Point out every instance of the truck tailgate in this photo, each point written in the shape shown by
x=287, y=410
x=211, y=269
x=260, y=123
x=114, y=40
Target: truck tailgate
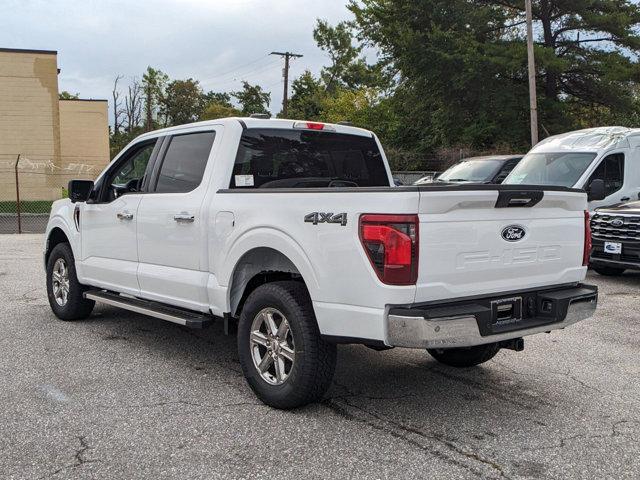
x=488, y=239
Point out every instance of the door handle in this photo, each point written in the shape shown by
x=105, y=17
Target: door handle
x=184, y=218
x=124, y=215
x=625, y=199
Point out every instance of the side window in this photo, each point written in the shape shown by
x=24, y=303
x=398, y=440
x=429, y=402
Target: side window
x=134, y=168
x=128, y=175
x=184, y=162
x=611, y=170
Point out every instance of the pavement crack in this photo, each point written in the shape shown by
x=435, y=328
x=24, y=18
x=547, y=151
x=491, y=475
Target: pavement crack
x=78, y=457
x=407, y=433
x=351, y=394
x=563, y=441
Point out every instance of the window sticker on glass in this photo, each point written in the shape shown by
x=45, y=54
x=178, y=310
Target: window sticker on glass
x=244, y=180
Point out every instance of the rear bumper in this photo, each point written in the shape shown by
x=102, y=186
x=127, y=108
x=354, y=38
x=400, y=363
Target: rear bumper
x=466, y=323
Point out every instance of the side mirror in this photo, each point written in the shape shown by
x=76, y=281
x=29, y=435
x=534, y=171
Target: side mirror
x=596, y=190
x=79, y=190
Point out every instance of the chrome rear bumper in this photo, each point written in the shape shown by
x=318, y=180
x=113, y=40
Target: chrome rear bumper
x=419, y=329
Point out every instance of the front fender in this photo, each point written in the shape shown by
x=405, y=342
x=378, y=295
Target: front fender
x=61, y=217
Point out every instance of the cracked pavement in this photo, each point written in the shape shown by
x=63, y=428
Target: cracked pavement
x=121, y=395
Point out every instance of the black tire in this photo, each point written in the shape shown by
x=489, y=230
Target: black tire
x=609, y=271
x=465, y=357
x=311, y=373
x=76, y=306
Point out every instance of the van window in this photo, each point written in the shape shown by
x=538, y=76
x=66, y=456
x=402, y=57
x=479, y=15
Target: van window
x=611, y=170
x=184, y=162
x=550, y=168
x=283, y=158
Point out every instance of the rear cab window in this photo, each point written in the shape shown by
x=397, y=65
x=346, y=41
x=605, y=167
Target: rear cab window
x=283, y=158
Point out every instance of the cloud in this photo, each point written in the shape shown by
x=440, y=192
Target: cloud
x=218, y=42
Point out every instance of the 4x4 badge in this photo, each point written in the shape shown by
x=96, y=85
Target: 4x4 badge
x=321, y=217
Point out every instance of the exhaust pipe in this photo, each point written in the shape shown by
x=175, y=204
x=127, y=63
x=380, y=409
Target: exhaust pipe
x=515, y=344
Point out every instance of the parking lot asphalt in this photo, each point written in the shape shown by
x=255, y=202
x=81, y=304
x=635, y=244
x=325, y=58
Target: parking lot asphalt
x=121, y=395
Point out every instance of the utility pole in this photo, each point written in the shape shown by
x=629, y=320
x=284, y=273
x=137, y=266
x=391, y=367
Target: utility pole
x=285, y=74
x=533, y=103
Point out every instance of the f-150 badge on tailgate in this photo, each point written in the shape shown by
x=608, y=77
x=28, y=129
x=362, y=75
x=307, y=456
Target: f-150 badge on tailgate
x=321, y=217
x=513, y=233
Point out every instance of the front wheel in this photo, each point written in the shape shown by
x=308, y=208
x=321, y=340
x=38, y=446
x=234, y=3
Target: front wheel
x=65, y=293
x=609, y=271
x=283, y=357
x=465, y=357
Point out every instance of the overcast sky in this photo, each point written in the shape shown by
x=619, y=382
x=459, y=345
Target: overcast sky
x=219, y=42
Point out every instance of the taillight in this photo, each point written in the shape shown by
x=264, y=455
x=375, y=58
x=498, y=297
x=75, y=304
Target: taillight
x=587, y=239
x=391, y=243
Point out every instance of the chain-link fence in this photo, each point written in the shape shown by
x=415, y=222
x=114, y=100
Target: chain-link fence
x=29, y=184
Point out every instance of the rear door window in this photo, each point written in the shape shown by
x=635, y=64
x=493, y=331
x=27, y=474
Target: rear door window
x=279, y=158
x=184, y=162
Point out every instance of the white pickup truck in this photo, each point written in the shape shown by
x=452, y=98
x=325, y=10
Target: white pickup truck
x=295, y=230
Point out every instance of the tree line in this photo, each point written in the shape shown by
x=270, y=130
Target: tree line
x=446, y=75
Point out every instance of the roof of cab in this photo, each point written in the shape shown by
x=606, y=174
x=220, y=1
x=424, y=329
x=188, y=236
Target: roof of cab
x=249, y=122
x=590, y=140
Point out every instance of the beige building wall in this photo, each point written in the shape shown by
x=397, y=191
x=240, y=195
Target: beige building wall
x=84, y=137
x=57, y=139
x=29, y=118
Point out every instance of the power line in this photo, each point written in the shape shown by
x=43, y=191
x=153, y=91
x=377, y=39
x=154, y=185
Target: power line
x=285, y=74
x=235, y=76
x=235, y=69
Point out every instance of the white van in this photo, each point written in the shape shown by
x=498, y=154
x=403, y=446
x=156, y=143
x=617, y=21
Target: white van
x=577, y=158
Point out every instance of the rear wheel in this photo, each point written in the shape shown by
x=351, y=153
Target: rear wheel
x=65, y=293
x=609, y=271
x=283, y=357
x=465, y=357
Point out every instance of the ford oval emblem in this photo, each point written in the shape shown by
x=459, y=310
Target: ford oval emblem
x=513, y=233
x=617, y=222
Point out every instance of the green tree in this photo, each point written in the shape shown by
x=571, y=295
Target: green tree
x=348, y=68
x=308, y=94
x=583, y=58
x=221, y=98
x=215, y=110
x=252, y=99
x=154, y=83
x=459, y=81
x=64, y=95
x=461, y=73
x=182, y=102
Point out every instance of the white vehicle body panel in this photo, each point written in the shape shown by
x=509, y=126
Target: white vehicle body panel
x=194, y=265
x=109, y=253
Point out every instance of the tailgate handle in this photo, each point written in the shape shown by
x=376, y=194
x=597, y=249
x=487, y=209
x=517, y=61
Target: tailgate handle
x=518, y=198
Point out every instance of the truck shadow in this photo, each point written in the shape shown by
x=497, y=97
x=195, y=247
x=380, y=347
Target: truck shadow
x=409, y=377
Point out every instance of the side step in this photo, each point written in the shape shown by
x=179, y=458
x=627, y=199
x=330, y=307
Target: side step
x=153, y=309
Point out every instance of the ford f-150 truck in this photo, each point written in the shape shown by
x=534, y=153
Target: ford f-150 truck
x=295, y=231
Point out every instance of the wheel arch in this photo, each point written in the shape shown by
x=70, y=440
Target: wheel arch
x=256, y=267
x=55, y=236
